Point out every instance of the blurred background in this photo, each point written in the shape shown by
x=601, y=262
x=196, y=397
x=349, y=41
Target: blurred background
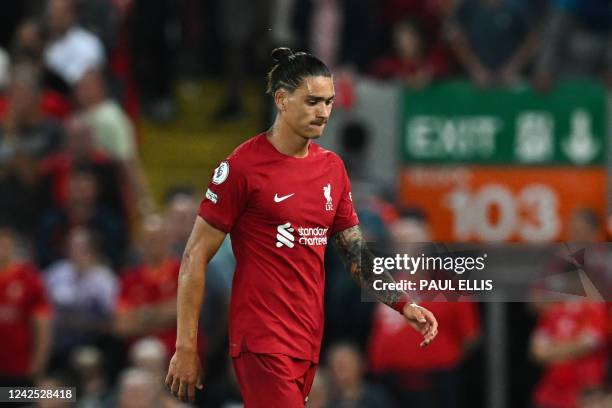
x=458, y=120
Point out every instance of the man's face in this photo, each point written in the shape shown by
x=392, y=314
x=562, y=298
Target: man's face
x=60, y=15
x=307, y=109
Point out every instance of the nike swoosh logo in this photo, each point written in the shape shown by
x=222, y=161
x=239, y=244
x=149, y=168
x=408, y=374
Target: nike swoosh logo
x=278, y=199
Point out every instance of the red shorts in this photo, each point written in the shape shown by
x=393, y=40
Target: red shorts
x=273, y=380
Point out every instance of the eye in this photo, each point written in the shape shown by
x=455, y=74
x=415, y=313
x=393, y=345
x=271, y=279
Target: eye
x=329, y=102
x=311, y=102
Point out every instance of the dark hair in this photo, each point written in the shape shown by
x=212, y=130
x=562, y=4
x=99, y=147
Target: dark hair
x=291, y=68
x=589, y=216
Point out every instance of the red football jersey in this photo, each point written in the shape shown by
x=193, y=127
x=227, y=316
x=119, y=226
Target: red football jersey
x=143, y=286
x=280, y=212
x=394, y=345
x=22, y=297
x=563, y=382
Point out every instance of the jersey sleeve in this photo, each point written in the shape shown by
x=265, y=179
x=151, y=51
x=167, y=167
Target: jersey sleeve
x=226, y=196
x=346, y=216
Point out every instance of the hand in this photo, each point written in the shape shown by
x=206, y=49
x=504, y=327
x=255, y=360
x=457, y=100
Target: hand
x=542, y=82
x=423, y=321
x=508, y=75
x=481, y=76
x=184, y=375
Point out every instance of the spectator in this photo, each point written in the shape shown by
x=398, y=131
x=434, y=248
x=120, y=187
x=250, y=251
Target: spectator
x=569, y=342
x=25, y=318
x=139, y=389
x=585, y=226
x=320, y=391
x=494, y=40
x=238, y=21
x=52, y=381
x=346, y=369
x=87, y=362
x=181, y=210
x=25, y=138
x=149, y=354
x=83, y=292
x=25, y=128
x=576, y=42
x=81, y=210
x=422, y=377
x=79, y=151
x=152, y=56
x=113, y=135
x=71, y=50
x=147, y=300
x=412, y=62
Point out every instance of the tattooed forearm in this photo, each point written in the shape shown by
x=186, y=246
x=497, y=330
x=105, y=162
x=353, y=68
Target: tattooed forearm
x=360, y=262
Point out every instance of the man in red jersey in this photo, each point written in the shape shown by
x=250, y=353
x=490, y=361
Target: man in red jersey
x=281, y=197
x=147, y=299
x=25, y=318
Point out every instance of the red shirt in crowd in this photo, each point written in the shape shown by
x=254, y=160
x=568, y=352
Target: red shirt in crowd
x=394, y=345
x=22, y=299
x=562, y=382
x=280, y=212
x=435, y=63
x=145, y=286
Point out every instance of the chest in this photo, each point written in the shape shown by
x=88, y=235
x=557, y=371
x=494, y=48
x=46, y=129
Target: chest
x=150, y=291
x=13, y=300
x=303, y=196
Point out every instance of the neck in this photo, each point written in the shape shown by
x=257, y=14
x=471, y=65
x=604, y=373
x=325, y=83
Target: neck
x=286, y=141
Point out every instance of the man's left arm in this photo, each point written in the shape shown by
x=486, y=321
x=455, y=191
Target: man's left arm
x=42, y=344
x=359, y=261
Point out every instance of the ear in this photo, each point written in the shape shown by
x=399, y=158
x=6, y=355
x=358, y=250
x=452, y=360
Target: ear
x=280, y=99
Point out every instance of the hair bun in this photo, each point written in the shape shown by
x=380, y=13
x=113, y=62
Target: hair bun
x=281, y=54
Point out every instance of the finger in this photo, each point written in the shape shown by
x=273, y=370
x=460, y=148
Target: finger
x=418, y=314
x=168, y=381
x=175, y=386
x=191, y=392
x=433, y=324
x=181, y=391
x=199, y=385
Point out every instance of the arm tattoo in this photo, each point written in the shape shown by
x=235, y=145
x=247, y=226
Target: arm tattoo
x=360, y=262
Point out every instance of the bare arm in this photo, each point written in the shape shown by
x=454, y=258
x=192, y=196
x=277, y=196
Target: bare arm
x=42, y=345
x=547, y=352
x=145, y=319
x=184, y=371
x=137, y=184
x=466, y=55
x=360, y=263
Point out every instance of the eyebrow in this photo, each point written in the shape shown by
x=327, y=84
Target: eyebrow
x=319, y=98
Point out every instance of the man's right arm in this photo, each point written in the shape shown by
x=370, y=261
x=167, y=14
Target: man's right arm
x=184, y=370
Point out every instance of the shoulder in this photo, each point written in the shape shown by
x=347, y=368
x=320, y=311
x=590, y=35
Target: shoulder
x=326, y=154
x=331, y=159
x=59, y=270
x=29, y=272
x=243, y=157
x=131, y=275
x=82, y=36
x=248, y=150
x=102, y=274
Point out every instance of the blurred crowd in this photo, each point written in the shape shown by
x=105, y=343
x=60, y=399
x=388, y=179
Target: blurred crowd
x=89, y=262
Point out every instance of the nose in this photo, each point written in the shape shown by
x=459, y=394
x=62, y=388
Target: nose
x=323, y=111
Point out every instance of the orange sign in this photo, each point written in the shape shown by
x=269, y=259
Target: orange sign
x=472, y=203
